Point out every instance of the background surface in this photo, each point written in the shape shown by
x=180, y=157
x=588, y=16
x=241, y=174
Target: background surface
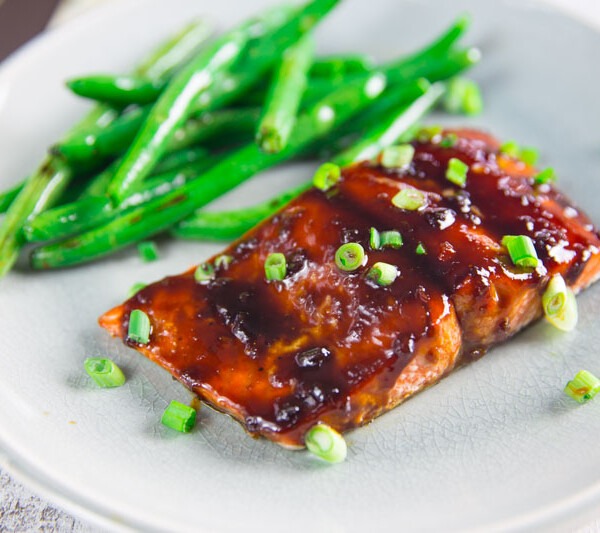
x=22, y=510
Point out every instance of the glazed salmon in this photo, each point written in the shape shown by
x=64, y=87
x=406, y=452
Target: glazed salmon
x=325, y=345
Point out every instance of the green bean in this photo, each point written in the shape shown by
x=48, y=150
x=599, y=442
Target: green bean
x=161, y=213
x=8, y=196
x=336, y=67
x=115, y=140
x=90, y=211
x=116, y=90
x=278, y=30
x=285, y=93
x=172, y=161
x=386, y=132
x=172, y=109
x=129, y=89
x=229, y=225
x=44, y=187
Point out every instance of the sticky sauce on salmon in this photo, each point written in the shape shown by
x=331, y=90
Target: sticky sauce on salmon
x=333, y=346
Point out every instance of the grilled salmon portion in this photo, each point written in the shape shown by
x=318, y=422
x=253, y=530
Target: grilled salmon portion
x=326, y=345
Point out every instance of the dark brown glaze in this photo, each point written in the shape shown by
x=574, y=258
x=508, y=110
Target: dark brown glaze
x=331, y=346
x=321, y=345
x=462, y=229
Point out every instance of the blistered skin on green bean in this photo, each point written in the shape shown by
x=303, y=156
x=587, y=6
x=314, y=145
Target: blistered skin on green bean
x=285, y=94
x=45, y=186
x=161, y=213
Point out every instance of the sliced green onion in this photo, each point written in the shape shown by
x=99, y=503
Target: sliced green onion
x=104, y=372
x=449, y=141
x=397, y=157
x=139, y=327
x=457, y=172
x=135, y=288
x=545, y=176
x=409, y=199
x=430, y=134
x=374, y=239
x=204, y=272
x=179, y=417
x=391, y=239
x=326, y=443
x=275, y=267
x=223, y=261
x=521, y=250
x=529, y=155
x=350, y=256
x=526, y=154
x=383, y=274
x=148, y=251
x=326, y=176
x=511, y=149
x=420, y=250
x=463, y=96
x=560, y=305
x=583, y=387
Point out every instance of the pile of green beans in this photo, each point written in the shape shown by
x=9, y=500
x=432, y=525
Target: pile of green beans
x=198, y=118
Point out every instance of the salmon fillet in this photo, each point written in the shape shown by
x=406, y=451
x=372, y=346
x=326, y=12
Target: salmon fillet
x=325, y=345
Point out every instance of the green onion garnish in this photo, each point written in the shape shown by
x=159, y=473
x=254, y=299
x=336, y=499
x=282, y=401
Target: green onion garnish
x=204, y=272
x=374, y=239
x=275, y=267
x=104, y=372
x=526, y=154
x=326, y=443
x=148, y=251
x=529, y=155
x=511, y=149
x=409, y=199
x=457, y=172
x=350, y=256
x=521, y=250
x=139, y=327
x=449, y=141
x=545, y=176
x=135, y=288
x=420, y=250
x=383, y=274
x=397, y=157
x=463, y=96
x=326, y=176
x=391, y=239
x=560, y=305
x=583, y=387
x=429, y=133
x=179, y=417
x=223, y=261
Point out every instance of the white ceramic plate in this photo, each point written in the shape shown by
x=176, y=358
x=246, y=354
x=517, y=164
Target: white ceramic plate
x=496, y=445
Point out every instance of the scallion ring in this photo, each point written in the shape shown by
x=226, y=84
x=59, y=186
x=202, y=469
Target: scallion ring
x=560, y=305
x=326, y=176
x=275, y=267
x=326, y=443
x=521, y=250
x=409, y=199
x=397, y=157
x=583, y=387
x=139, y=327
x=350, y=256
x=383, y=274
x=104, y=372
x=179, y=417
x=204, y=272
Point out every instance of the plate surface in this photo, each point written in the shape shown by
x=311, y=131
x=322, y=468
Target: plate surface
x=496, y=445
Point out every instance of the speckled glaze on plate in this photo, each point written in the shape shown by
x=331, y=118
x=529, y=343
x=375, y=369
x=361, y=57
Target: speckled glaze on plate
x=494, y=446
